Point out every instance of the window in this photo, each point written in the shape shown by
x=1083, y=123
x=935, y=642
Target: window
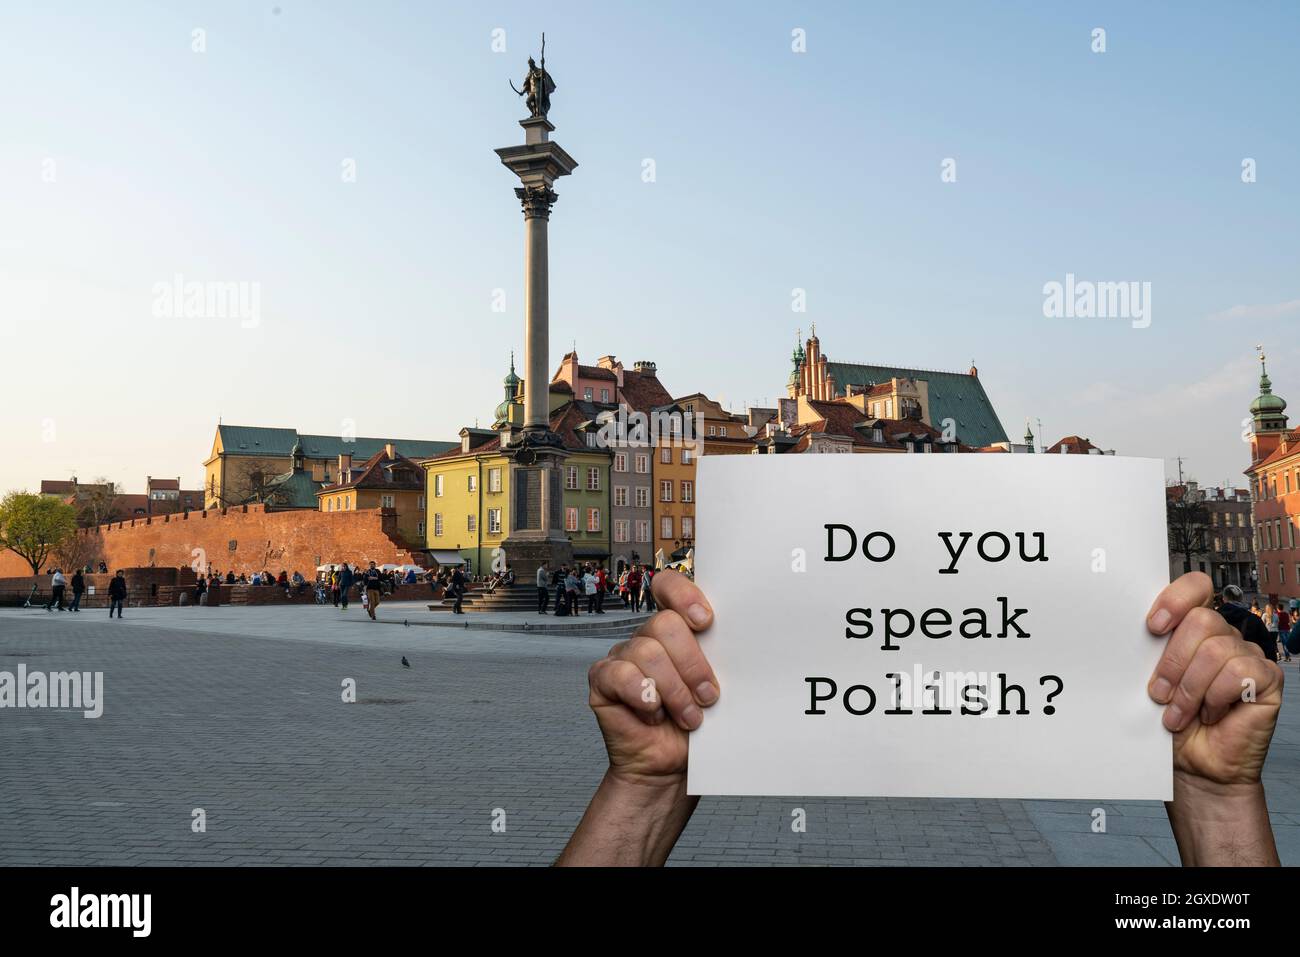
x=688, y=492
x=620, y=530
x=437, y=486
x=642, y=497
x=494, y=480
x=419, y=502
x=494, y=521
x=666, y=526
x=591, y=440
x=666, y=455
x=642, y=463
x=385, y=501
x=722, y=431
x=419, y=527
x=666, y=491
x=586, y=393
x=604, y=395
x=570, y=519
x=713, y=430
x=437, y=523
x=593, y=520
x=620, y=461
x=687, y=456
x=471, y=523
x=593, y=479
x=620, y=496
x=688, y=527
x=1281, y=574
x=642, y=530
x=571, y=476
x=472, y=485
x=1216, y=544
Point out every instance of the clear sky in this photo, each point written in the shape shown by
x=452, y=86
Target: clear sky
x=127, y=158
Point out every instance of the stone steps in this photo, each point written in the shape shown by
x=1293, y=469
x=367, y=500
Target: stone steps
x=565, y=627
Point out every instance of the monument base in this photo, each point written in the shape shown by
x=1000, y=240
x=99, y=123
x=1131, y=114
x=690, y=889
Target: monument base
x=525, y=556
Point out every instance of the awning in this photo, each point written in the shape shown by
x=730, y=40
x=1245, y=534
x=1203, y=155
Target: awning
x=445, y=556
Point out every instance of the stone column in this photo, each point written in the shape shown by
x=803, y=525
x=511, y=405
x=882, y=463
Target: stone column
x=537, y=213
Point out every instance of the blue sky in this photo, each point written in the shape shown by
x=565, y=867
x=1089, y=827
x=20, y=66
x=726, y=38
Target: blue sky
x=774, y=170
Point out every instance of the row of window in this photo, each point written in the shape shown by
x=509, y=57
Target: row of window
x=471, y=522
x=1238, y=543
x=1270, y=534
x=573, y=523
x=1267, y=485
x=641, y=526
x=471, y=483
x=1227, y=519
x=1281, y=572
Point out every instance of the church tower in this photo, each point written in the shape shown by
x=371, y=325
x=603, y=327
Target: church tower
x=1267, y=415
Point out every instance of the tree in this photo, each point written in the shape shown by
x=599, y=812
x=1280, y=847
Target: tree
x=34, y=525
x=253, y=484
x=1188, y=520
x=98, y=503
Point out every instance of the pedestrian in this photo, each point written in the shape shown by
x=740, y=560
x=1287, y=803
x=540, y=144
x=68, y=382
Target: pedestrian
x=647, y=593
x=634, y=587
x=1269, y=617
x=543, y=587
x=571, y=586
x=589, y=588
x=1284, y=620
x=1235, y=613
x=602, y=584
x=78, y=586
x=200, y=587
x=116, y=593
x=345, y=584
x=374, y=583
x=457, y=591
x=58, y=582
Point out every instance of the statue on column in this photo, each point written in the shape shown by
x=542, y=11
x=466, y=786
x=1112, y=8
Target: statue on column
x=538, y=86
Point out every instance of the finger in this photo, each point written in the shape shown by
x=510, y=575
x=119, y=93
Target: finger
x=1197, y=625
x=672, y=631
x=1211, y=654
x=674, y=590
x=1193, y=590
x=618, y=681
x=652, y=658
x=1249, y=670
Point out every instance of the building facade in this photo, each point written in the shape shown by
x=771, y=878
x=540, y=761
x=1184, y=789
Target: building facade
x=1274, y=475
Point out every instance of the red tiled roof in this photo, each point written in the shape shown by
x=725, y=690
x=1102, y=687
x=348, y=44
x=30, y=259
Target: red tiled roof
x=644, y=392
x=1292, y=447
x=1077, y=446
x=165, y=484
x=372, y=474
x=56, y=487
x=563, y=422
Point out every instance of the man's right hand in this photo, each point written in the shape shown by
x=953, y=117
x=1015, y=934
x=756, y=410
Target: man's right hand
x=650, y=691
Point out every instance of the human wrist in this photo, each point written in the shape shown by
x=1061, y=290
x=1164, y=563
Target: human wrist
x=633, y=820
x=1221, y=825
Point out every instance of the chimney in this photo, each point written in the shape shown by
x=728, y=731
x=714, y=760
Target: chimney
x=345, y=466
x=390, y=450
x=646, y=368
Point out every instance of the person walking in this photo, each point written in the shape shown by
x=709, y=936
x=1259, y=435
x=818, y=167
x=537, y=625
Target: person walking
x=374, y=583
x=116, y=593
x=332, y=581
x=200, y=589
x=571, y=587
x=1284, y=620
x=602, y=585
x=58, y=582
x=78, y=586
x=345, y=584
x=543, y=587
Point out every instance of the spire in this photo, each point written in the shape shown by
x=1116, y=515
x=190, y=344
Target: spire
x=1268, y=410
x=1029, y=436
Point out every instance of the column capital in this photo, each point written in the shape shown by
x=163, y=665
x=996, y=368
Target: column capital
x=536, y=201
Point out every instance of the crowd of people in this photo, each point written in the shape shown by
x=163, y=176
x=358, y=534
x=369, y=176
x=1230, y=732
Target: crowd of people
x=571, y=584
x=1275, y=628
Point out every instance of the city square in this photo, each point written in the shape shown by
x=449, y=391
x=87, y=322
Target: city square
x=238, y=711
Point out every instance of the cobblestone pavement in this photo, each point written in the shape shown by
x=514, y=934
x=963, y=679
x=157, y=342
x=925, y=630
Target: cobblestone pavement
x=239, y=711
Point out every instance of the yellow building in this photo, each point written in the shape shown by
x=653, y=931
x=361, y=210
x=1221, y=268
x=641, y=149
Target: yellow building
x=467, y=491
x=387, y=479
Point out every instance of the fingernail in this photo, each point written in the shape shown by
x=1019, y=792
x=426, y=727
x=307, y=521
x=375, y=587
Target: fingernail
x=1173, y=717
x=692, y=716
x=698, y=614
x=706, y=693
x=1160, y=621
x=1161, y=690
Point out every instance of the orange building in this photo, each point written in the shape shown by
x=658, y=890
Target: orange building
x=1274, y=474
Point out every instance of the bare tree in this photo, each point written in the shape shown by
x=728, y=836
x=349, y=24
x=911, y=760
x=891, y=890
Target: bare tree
x=97, y=503
x=1188, y=520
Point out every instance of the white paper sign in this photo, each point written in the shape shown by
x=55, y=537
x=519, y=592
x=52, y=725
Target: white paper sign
x=1048, y=702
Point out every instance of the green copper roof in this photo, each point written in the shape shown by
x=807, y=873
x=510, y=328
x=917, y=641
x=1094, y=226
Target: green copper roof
x=255, y=440
x=294, y=490
x=953, y=395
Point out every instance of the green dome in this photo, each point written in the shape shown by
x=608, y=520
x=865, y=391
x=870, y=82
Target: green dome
x=1266, y=402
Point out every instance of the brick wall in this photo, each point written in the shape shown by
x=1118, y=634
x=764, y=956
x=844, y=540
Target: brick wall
x=295, y=540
